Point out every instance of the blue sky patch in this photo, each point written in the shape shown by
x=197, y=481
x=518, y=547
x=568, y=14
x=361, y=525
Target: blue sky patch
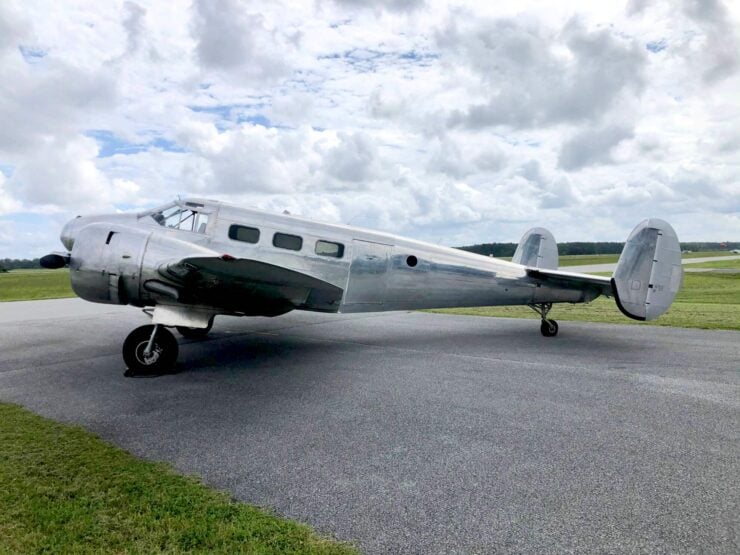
x=366, y=60
x=656, y=46
x=340, y=23
x=237, y=113
x=32, y=55
x=7, y=170
x=257, y=119
x=109, y=144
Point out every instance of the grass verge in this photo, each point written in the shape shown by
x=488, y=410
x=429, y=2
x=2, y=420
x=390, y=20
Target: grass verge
x=733, y=264
x=29, y=285
x=63, y=490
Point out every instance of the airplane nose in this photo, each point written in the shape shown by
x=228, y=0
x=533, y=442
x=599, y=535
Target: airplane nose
x=68, y=234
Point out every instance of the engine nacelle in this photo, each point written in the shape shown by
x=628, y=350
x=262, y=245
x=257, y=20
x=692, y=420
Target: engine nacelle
x=105, y=263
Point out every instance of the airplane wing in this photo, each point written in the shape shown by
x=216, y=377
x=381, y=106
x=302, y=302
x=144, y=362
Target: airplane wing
x=247, y=286
x=573, y=280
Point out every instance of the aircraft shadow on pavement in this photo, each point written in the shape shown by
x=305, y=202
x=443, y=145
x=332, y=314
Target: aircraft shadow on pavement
x=283, y=350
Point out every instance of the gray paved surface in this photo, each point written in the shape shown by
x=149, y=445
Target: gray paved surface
x=411, y=432
x=610, y=267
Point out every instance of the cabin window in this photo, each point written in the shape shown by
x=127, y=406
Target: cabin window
x=327, y=248
x=244, y=233
x=285, y=241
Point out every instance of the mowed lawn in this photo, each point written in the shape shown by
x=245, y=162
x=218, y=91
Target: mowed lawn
x=63, y=490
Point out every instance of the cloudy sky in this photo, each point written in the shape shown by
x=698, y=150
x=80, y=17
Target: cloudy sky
x=455, y=123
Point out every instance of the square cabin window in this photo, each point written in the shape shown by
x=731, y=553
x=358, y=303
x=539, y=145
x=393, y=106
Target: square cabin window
x=244, y=233
x=327, y=248
x=285, y=241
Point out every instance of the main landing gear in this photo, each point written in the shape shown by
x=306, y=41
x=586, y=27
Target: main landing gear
x=150, y=351
x=548, y=328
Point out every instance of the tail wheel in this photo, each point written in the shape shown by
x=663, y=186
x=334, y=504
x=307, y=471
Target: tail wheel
x=195, y=333
x=549, y=328
x=159, y=359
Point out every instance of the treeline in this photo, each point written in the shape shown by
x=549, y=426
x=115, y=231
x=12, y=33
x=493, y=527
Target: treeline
x=507, y=249
x=7, y=264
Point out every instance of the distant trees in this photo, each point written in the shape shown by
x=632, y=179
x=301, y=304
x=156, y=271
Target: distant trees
x=507, y=249
x=18, y=264
x=598, y=247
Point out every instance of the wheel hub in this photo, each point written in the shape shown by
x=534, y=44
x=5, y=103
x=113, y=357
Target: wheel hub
x=150, y=358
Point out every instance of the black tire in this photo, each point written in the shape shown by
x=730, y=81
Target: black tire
x=196, y=333
x=549, y=328
x=162, y=359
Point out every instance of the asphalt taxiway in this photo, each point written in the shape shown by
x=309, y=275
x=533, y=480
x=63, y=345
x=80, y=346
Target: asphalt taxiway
x=416, y=432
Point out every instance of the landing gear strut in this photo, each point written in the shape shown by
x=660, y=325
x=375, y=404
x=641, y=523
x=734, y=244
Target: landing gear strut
x=150, y=351
x=548, y=328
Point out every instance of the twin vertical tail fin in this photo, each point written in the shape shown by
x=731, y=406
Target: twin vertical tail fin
x=537, y=249
x=649, y=273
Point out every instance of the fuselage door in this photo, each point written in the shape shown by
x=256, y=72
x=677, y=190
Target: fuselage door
x=368, y=273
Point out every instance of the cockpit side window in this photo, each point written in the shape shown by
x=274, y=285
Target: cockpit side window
x=184, y=219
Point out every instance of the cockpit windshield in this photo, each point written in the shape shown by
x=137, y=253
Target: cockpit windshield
x=177, y=217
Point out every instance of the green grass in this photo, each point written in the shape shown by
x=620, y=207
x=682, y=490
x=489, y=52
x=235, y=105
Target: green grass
x=63, y=490
x=720, y=264
x=703, y=254
x=707, y=300
x=585, y=259
x=28, y=285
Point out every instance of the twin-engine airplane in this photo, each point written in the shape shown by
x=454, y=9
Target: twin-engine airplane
x=194, y=259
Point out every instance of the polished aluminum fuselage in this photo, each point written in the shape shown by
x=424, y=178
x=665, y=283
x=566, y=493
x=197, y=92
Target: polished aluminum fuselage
x=377, y=272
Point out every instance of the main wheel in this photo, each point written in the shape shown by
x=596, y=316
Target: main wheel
x=160, y=360
x=195, y=333
x=549, y=328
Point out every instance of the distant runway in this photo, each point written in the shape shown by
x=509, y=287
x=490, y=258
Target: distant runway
x=610, y=267
x=415, y=432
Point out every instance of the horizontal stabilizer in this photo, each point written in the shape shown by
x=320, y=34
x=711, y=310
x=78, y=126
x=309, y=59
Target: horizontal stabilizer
x=537, y=249
x=598, y=285
x=649, y=273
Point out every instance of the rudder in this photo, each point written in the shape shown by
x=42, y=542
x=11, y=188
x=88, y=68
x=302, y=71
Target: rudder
x=649, y=272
